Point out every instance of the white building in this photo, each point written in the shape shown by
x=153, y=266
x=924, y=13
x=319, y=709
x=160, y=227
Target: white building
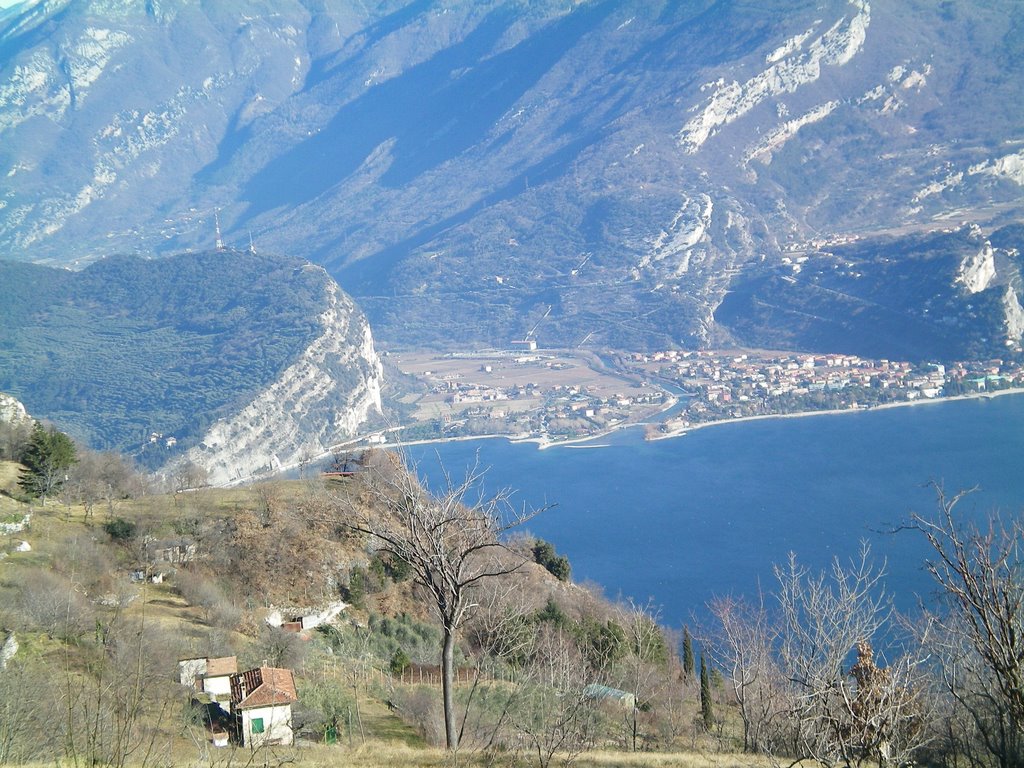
x=262, y=701
x=209, y=676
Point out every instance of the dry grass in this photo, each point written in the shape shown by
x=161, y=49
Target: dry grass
x=374, y=753
x=9, y=476
x=672, y=760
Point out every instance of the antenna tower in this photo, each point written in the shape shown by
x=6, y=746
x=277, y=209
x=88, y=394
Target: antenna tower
x=216, y=221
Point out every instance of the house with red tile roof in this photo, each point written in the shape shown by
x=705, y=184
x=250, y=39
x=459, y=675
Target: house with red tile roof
x=261, y=700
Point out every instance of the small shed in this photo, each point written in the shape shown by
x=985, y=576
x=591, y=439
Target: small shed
x=261, y=700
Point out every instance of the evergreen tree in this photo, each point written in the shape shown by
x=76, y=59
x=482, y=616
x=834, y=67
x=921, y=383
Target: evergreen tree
x=557, y=565
x=46, y=460
x=707, y=710
x=687, y=653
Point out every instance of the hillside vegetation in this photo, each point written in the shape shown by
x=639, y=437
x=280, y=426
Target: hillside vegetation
x=130, y=346
x=95, y=674
x=361, y=582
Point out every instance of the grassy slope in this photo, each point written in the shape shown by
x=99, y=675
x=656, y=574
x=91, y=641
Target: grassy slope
x=384, y=739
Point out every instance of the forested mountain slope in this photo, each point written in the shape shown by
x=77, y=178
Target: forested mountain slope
x=247, y=360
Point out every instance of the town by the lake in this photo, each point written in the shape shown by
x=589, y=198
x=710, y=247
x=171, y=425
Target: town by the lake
x=559, y=395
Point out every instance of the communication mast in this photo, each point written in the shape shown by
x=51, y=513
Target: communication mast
x=216, y=222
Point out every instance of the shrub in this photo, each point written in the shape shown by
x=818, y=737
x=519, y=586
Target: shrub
x=120, y=529
x=399, y=663
x=557, y=565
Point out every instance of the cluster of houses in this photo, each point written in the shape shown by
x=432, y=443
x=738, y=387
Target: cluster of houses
x=253, y=708
x=168, y=441
x=724, y=378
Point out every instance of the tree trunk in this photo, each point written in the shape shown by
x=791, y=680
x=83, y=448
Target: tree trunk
x=447, y=686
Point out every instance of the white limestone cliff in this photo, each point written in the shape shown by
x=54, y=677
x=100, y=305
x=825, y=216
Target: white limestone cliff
x=793, y=65
x=977, y=271
x=322, y=399
x=669, y=253
x=777, y=138
x=1014, y=317
x=1009, y=167
x=12, y=411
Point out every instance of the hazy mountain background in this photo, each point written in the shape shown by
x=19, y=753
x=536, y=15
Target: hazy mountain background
x=464, y=167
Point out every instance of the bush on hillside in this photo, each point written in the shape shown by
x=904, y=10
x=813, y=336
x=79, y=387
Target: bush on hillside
x=557, y=565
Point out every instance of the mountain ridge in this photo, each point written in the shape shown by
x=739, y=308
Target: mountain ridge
x=468, y=169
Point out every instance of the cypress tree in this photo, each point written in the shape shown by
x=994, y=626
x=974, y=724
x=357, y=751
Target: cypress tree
x=707, y=711
x=687, y=653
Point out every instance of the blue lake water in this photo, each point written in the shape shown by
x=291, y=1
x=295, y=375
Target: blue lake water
x=683, y=520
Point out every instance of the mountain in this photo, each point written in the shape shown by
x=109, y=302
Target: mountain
x=947, y=295
x=240, y=362
x=609, y=169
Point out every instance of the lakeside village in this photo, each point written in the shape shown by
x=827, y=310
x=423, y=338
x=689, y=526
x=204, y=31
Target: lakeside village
x=732, y=386
x=556, y=396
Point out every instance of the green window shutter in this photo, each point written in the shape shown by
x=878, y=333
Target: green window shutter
x=257, y=725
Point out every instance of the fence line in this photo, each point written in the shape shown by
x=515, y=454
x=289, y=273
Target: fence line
x=417, y=674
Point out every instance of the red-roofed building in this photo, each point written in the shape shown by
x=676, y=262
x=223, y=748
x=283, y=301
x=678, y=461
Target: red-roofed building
x=262, y=701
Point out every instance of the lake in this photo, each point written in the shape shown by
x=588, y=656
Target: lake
x=709, y=513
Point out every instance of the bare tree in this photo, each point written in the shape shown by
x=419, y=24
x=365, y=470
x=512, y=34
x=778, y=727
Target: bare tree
x=502, y=639
x=743, y=646
x=102, y=477
x=26, y=712
x=884, y=710
x=981, y=642
x=451, y=541
x=551, y=707
x=798, y=696
x=644, y=670
x=188, y=476
x=822, y=618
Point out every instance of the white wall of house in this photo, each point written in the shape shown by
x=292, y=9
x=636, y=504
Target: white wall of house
x=218, y=686
x=275, y=722
x=190, y=669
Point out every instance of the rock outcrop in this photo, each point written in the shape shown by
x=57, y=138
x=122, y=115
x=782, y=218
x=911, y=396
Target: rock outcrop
x=12, y=411
x=240, y=361
x=320, y=400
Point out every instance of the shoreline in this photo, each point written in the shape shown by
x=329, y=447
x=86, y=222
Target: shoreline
x=683, y=430
x=543, y=443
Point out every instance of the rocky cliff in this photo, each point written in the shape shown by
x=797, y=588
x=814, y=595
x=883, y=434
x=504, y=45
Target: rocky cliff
x=945, y=295
x=12, y=411
x=243, y=362
x=320, y=400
